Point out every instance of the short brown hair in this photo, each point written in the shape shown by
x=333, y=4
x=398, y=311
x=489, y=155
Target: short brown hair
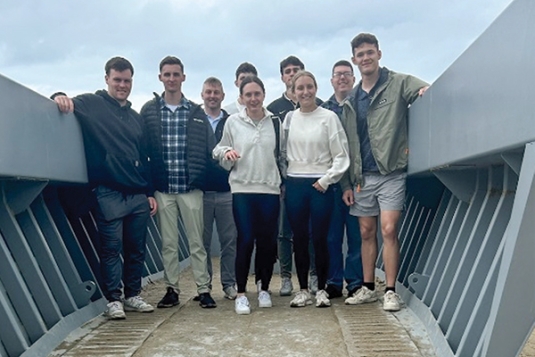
x=364, y=38
x=171, y=60
x=213, y=81
x=119, y=64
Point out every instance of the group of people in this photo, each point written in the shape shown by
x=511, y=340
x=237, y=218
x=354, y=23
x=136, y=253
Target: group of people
x=297, y=172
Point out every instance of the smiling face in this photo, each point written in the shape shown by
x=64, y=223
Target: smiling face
x=172, y=76
x=305, y=92
x=253, y=97
x=119, y=84
x=366, y=57
x=288, y=73
x=212, y=96
x=342, y=80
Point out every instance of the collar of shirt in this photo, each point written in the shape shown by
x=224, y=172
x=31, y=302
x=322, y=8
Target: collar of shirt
x=214, y=121
x=288, y=99
x=184, y=103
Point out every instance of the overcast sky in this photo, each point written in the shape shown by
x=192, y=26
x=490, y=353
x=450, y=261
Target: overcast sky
x=63, y=44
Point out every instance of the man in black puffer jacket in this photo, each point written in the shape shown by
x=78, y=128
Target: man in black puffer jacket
x=180, y=149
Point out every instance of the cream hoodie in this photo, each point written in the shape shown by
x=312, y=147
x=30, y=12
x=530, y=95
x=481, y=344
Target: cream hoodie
x=256, y=170
x=316, y=146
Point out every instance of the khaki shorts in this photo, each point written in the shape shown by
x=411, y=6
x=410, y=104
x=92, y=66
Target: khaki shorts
x=379, y=193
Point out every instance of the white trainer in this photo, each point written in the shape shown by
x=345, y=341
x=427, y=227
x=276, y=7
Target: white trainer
x=264, y=299
x=115, y=311
x=362, y=296
x=241, y=305
x=137, y=304
x=301, y=299
x=322, y=299
x=391, y=301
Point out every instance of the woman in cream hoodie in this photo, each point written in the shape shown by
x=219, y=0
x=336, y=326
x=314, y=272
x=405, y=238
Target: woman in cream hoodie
x=248, y=149
x=317, y=153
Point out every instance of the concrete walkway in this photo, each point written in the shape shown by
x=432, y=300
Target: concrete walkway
x=189, y=330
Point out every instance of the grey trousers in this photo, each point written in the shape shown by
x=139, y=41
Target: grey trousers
x=218, y=207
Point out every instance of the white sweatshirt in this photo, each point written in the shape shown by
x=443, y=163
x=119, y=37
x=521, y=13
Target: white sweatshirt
x=256, y=170
x=316, y=146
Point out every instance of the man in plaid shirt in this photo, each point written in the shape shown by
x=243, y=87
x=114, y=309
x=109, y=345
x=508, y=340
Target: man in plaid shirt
x=181, y=142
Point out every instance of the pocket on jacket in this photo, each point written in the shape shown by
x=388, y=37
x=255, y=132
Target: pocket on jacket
x=125, y=171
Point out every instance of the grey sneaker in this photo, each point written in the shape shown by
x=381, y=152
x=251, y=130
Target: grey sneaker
x=230, y=292
x=362, y=296
x=137, y=304
x=313, y=284
x=391, y=301
x=322, y=299
x=301, y=299
x=115, y=311
x=286, y=287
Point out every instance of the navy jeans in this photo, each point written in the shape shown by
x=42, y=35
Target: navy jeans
x=309, y=212
x=256, y=216
x=122, y=226
x=353, y=266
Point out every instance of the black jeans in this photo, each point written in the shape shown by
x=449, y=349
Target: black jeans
x=309, y=212
x=256, y=216
x=122, y=226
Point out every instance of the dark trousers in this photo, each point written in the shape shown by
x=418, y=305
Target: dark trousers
x=122, y=226
x=256, y=216
x=309, y=212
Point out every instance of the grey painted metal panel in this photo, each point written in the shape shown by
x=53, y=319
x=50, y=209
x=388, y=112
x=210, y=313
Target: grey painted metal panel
x=43, y=143
x=13, y=338
x=483, y=103
x=511, y=310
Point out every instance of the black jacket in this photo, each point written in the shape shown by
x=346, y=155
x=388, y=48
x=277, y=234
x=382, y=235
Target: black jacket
x=115, y=143
x=199, y=146
x=217, y=178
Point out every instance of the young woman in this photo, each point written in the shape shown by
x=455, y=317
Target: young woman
x=248, y=148
x=316, y=150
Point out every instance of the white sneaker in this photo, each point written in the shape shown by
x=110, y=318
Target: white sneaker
x=115, y=310
x=391, y=301
x=264, y=299
x=301, y=299
x=362, y=296
x=137, y=304
x=322, y=299
x=313, y=284
x=241, y=305
x=286, y=287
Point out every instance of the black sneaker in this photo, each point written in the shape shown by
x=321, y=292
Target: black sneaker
x=197, y=298
x=170, y=299
x=353, y=291
x=333, y=291
x=206, y=301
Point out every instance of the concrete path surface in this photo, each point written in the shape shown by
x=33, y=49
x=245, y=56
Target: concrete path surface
x=189, y=330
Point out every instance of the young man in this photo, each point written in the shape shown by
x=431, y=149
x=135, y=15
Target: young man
x=244, y=70
x=217, y=197
x=181, y=143
x=342, y=81
x=117, y=168
x=375, y=119
x=280, y=107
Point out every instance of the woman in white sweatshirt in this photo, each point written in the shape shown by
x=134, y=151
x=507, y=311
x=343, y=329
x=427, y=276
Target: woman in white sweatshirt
x=316, y=150
x=248, y=148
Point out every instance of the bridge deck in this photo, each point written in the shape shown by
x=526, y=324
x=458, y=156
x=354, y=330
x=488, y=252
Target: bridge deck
x=189, y=330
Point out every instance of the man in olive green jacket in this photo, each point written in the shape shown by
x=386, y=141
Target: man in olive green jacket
x=375, y=119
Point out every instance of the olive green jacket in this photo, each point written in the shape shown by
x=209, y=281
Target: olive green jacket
x=387, y=126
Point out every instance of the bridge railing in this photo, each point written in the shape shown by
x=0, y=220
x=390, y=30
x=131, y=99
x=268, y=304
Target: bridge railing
x=467, y=234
